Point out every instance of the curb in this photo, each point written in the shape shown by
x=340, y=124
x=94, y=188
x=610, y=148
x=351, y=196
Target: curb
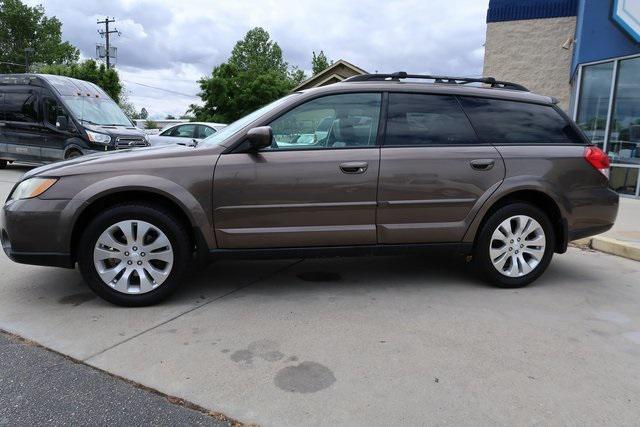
x=612, y=246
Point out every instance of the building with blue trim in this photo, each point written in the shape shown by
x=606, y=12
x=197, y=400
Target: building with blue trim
x=586, y=53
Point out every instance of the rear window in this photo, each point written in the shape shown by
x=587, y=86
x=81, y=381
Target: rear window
x=503, y=122
x=420, y=119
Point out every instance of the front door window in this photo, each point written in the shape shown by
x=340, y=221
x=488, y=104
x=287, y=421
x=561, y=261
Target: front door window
x=336, y=121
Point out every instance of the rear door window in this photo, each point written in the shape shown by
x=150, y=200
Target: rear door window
x=21, y=106
x=510, y=122
x=424, y=119
x=205, y=131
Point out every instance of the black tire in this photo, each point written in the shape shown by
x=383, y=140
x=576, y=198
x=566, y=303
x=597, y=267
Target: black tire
x=175, y=231
x=482, y=258
x=3, y=164
x=73, y=154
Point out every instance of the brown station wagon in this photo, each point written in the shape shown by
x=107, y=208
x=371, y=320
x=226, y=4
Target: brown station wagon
x=378, y=164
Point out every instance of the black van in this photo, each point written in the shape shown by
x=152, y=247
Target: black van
x=45, y=118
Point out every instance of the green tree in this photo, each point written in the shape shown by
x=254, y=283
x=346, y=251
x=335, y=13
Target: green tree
x=89, y=70
x=24, y=27
x=144, y=114
x=128, y=108
x=319, y=62
x=150, y=124
x=258, y=53
x=170, y=117
x=297, y=76
x=254, y=75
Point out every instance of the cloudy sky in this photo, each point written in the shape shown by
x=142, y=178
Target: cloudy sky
x=167, y=45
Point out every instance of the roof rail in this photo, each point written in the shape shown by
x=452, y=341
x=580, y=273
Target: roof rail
x=397, y=76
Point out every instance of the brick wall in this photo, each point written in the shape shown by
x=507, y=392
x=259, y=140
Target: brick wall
x=530, y=52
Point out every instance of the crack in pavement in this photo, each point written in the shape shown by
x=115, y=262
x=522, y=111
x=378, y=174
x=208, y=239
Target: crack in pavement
x=191, y=310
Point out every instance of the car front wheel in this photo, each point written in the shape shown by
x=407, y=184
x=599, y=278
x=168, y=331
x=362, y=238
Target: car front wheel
x=515, y=245
x=134, y=254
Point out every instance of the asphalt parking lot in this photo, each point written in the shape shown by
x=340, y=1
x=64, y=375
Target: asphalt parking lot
x=359, y=341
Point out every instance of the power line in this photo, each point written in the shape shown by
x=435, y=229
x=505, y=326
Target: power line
x=11, y=63
x=162, y=89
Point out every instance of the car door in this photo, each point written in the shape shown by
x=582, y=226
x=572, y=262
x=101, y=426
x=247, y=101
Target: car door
x=308, y=193
x=434, y=173
x=23, y=131
x=55, y=139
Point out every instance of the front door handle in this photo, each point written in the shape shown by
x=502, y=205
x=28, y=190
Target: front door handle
x=354, y=167
x=482, y=164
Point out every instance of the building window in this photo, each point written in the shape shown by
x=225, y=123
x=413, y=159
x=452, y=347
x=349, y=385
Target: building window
x=593, y=104
x=613, y=123
x=624, y=135
x=624, y=180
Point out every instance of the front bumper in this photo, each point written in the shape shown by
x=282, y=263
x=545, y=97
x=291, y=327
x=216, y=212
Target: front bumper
x=31, y=232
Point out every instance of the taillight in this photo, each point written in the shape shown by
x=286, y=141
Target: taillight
x=598, y=159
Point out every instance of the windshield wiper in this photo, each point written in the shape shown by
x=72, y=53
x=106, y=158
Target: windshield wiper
x=90, y=122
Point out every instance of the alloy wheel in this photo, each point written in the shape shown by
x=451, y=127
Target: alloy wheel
x=517, y=246
x=133, y=257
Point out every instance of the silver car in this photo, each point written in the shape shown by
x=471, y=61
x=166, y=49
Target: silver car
x=185, y=133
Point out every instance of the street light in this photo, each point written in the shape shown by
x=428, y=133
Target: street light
x=27, y=52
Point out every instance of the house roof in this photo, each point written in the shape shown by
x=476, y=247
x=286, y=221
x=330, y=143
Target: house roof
x=330, y=73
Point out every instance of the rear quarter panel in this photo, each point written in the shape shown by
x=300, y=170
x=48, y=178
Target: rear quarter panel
x=561, y=172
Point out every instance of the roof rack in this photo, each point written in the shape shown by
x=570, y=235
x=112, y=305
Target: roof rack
x=397, y=76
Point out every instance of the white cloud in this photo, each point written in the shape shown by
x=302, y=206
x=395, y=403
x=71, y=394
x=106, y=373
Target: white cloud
x=170, y=44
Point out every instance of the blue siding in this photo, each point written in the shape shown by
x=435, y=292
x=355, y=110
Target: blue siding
x=516, y=10
x=598, y=37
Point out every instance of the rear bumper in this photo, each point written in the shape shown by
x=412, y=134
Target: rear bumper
x=31, y=232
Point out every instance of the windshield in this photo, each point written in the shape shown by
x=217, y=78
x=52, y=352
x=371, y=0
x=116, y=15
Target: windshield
x=234, y=127
x=96, y=111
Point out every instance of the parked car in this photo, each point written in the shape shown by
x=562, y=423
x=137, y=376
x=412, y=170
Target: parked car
x=46, y=118
x=496, y=174
x=185, y=133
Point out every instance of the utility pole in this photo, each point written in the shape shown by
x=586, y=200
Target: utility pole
x=106, y=33
x=27, y=51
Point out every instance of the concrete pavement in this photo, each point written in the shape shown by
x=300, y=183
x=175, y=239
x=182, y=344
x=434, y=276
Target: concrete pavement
x=361, y=341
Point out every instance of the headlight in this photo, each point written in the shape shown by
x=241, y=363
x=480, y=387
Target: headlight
x=100, y=138
x=32, y=187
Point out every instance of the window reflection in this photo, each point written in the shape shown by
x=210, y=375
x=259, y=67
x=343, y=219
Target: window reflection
x=624, y=180
x=624, y=137
x=594, y=101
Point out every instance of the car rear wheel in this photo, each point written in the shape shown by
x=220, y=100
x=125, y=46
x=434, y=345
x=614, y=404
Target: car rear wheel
x=3, y=164
x=134, y=254
x=515, y=245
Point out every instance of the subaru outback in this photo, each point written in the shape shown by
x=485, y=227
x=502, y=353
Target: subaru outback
x=377, y=164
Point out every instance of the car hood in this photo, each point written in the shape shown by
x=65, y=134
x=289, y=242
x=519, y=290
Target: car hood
x=131, y=159
x=116, y=130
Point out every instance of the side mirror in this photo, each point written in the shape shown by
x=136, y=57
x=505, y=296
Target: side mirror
x=62, y=123
x=260, y=137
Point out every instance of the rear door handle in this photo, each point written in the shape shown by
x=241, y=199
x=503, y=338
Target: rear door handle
x=354, y=167
x=482, y=164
